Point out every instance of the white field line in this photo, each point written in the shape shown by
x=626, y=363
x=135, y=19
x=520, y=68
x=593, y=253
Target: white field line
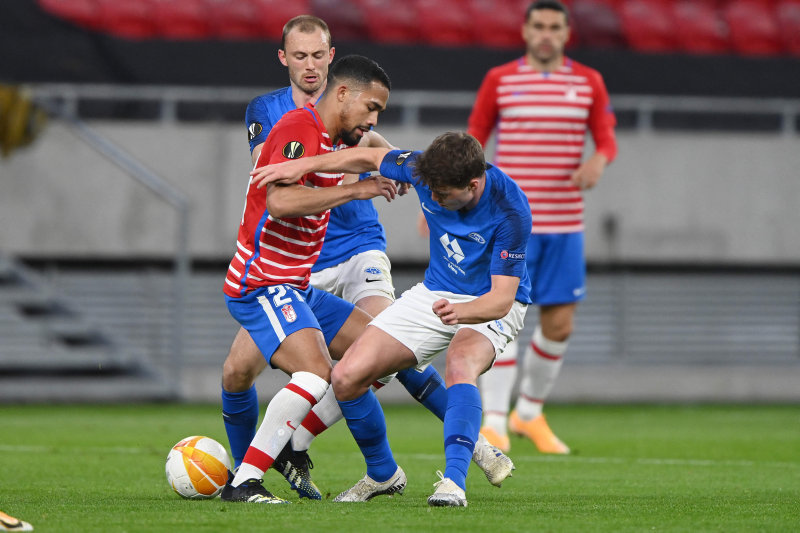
x=439, y=457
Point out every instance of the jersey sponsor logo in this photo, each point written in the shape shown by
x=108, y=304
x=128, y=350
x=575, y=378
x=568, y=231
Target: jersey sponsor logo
x=452, y=248
x=373, y=270
x=293, y=150
x=289, y=313
x=477, y=238
x=401, y=158
x=428, y=209
x=253, y=130
x=505, y=254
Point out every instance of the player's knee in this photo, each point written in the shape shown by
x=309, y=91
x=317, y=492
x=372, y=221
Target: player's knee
x=345, y=385
x=236, y=377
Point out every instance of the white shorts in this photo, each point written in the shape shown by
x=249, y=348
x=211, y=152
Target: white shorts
x=364, y=274
x=411, y=321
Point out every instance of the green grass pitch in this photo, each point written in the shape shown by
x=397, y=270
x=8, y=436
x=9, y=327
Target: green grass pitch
x=634, y=468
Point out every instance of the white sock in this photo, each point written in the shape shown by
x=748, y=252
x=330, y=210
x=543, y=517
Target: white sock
x=540, y=368
x=285, y=413
x=322, y=416
x=496, y=386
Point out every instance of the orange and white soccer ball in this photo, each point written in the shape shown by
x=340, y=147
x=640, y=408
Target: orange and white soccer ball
x=197, y=467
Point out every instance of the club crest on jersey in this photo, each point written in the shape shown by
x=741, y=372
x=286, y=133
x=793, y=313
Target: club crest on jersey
x=401, y=158
x=253, y=130
x=293, y=150
x=289, y=313
x=373, y=270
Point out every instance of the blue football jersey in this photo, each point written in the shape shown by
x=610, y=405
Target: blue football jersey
x=354, y=226
x=467, y=248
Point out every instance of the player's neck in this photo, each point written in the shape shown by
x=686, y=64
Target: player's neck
x=301, y=98
x=329, y=118
x=544, y=66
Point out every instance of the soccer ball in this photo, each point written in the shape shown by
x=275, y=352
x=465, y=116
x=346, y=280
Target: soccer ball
x=197, y=467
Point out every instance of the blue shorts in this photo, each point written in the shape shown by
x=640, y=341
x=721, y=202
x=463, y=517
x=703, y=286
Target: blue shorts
x=270, y=314
x=557, y=268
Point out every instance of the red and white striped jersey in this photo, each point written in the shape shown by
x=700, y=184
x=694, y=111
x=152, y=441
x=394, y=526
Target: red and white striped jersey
x=541, y=120
x=270, y=250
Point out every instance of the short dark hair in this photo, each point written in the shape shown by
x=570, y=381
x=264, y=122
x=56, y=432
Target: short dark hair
x=452, y=160
x=359, y=68
x=555, y=5
x=305, y=24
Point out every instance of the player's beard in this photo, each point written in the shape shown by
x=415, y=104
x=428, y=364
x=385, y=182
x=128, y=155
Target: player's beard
x=351, y=137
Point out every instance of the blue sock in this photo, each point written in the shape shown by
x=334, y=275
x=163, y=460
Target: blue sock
x=365, y=419
x=240, y=414
x=461, y=425
x=426, y=387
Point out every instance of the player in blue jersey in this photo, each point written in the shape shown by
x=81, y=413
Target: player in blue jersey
x=471, y=303
x=353, y=265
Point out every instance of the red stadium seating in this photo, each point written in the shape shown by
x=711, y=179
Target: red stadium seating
x=496, y=25
x=443, y=22
x=754, y=30
x=597, y=24
x=272, y=15
x=182, y=19
x=386, y=23
x=788, y=15
x=648, y=25
x=132, y=20
x=234, y=19
x=344, y=18
x=82, y=12
x=699, y=27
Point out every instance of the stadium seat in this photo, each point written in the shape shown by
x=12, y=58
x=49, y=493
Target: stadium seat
x=495, y=26
x=648, y=25
x=344, y=18
x=132, y=20
x=272, y=15
x=182, y=19
x=699, y=28
x=387, y=24
x=443, y=22
x=597, y=24
x=234, y=19
x=753, y=28
x=84, y=13
x=788, y=15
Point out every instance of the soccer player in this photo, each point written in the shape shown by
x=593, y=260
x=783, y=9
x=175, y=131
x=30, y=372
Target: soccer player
x=471, y=303
x=296, y=327
x=352, y=264
x=542, y=105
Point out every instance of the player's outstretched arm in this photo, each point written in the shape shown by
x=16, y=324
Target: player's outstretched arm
x=297, y=200
x=490, y=306
x=354, y=160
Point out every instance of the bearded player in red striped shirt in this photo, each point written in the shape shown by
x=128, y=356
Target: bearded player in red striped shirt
x=296, y=327
x=542, y=106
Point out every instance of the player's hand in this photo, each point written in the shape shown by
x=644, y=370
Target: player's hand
x=376, y=186
x=446, y=312
x=287, y=172
x=588, y=174
x=402, y=188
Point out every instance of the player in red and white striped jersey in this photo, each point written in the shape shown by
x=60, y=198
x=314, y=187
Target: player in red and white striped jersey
x=296, y=327
x=541, y=107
